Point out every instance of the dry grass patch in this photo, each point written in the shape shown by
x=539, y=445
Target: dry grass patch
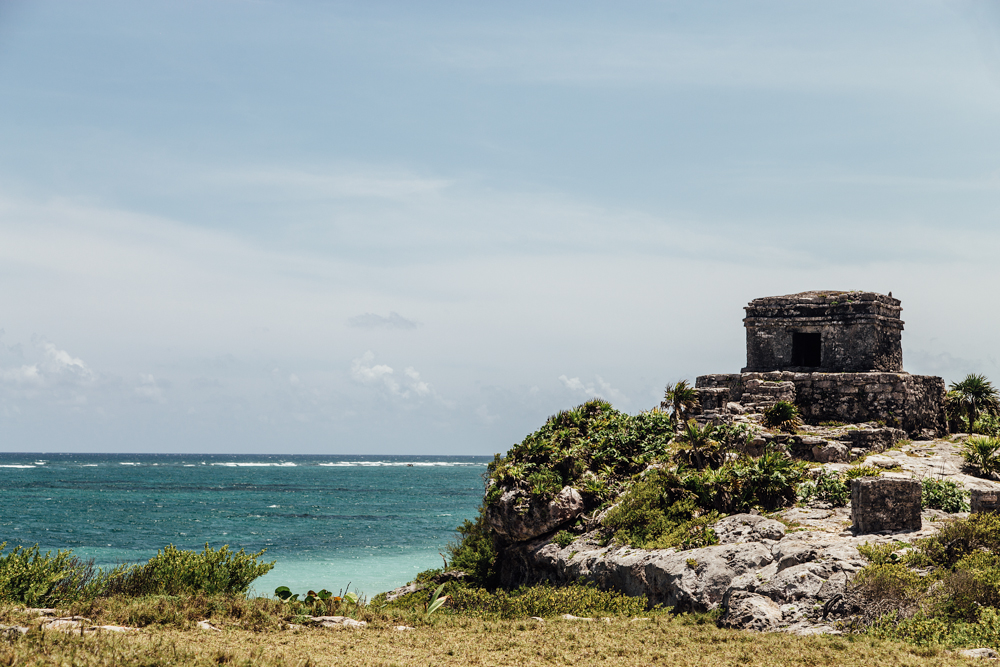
x=462, y=641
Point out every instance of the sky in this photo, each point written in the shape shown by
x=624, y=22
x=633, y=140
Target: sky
x=315, y=227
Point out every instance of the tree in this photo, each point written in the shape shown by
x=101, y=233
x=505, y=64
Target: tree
x=974, y=395
x=680, y=399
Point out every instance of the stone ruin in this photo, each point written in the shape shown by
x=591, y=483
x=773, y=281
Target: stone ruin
x=835, y=355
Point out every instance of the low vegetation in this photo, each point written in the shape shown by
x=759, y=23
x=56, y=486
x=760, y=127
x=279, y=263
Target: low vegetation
x=30, y=577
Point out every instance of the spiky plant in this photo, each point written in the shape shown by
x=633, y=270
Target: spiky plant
x=983, y=452
x=783, y=416
x=699, y=439
x=679, y=399
x=974, y=395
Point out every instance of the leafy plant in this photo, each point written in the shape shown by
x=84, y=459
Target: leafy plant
x=659, y=513
x=854, y=472
x=783, y=416
x=943, y=495
x=564, y=538
x=700, y=441
x=983, y=453
x=680, y=399
x=827, y=487
x=437, y=600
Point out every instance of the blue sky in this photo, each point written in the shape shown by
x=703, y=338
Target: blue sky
x=378, y=227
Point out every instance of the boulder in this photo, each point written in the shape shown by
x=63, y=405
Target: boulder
x=749, y=611
x=832, y=452
x=519, y=516
x=985, y=653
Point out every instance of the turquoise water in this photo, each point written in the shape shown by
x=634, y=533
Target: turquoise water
x=370, y=523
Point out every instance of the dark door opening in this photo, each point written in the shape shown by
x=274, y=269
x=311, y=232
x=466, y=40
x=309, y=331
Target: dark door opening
x=806, y=349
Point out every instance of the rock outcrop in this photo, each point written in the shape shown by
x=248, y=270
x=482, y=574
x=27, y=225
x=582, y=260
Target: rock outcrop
x=519, y=516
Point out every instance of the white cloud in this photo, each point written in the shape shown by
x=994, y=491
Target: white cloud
x=602, y=389
x=409, y=384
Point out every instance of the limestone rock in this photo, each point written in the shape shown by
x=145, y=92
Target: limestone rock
x=740, y=528
x=832, y=452
x=749, y=611
x=880, y=461
x=987, y=653
x=519, y=517
x=337, y=622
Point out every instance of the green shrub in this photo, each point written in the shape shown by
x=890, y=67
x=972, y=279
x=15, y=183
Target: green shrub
x=38, y=580
x=544, y=601
x=958, y=539
x=828, y=487
x=983, y=453
x=783, y=415
x=590, y=442
x=475, y=552
x=854, y=472
x=652, y=515
x=768, y=482
x=943, y=495
x=173, y=571
x=563, y=538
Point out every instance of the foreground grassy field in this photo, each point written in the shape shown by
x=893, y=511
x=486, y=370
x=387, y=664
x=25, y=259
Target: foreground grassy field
x=661, y=640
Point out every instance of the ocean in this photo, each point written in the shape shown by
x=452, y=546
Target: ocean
x=369, y=523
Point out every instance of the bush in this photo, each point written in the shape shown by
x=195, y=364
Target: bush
x=854, y=472
x=38, y=580
x=173, y=571
x=31, y=578
x=658, y=513
x=592, y=447
x=564, y=538
x=544, y=600
x=828, y=487
x=783, y=415
x=943, y=495
x=983, y=453
x=475, y=552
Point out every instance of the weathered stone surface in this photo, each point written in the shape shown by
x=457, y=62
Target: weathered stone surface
x=985, y=653
x=885, y=504
x=829, y=331
x=832, y=452
x=749, y=611
x=880, y=461
x=337, y=622
x=909, y=404
x=740, y=528
x=520, y=517
x=984, y=500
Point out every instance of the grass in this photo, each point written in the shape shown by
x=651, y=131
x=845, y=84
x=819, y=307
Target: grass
x=454, y=640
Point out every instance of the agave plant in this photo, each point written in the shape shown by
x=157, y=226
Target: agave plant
x=784, y=416
x=974, y=395
x=680, y=399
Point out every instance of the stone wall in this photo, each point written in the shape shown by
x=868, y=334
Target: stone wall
x=913, y=403
x=854, y=332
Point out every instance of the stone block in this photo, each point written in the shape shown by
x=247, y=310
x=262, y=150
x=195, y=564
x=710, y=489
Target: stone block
x=881, y=504
x=985, y=501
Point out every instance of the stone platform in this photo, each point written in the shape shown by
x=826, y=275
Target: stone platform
x=913, y=403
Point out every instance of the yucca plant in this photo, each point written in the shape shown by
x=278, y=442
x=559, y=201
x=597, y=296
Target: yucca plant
x=783, y=416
